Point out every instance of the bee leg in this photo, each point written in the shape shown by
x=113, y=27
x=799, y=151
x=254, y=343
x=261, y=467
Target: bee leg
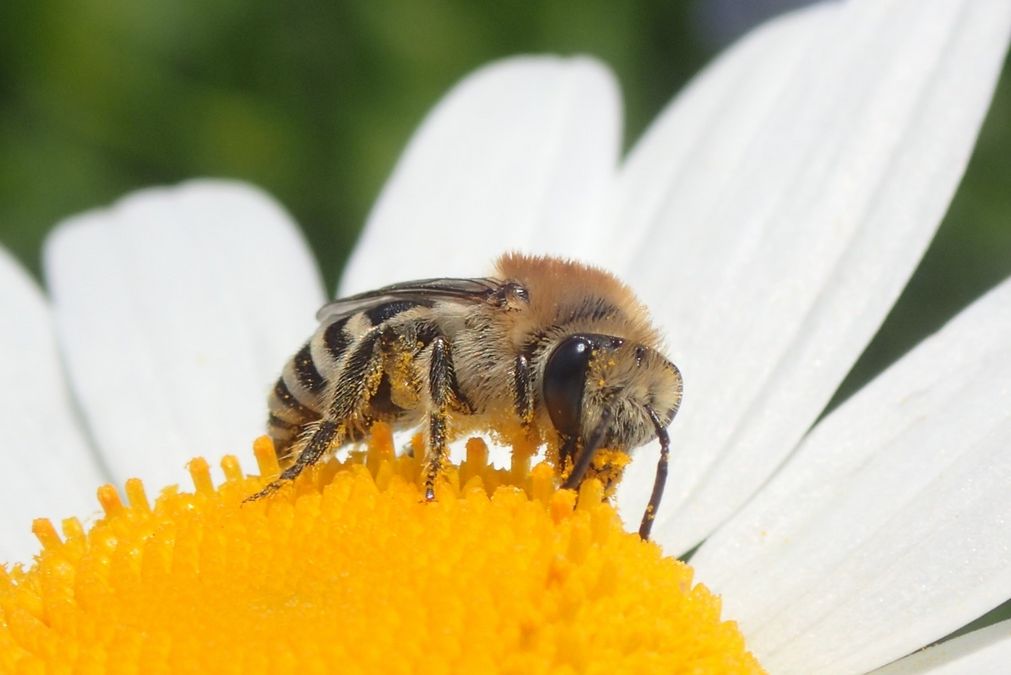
x=523, y=399
x=327, y=435
x=445, y=393
x=569, y=448
x=661, y=476
x=354, y=389
x=585, y=456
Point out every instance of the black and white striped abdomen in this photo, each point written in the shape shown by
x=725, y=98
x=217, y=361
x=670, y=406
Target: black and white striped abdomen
x=305, y=389
x=299, y=395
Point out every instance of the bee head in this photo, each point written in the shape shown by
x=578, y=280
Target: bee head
x=605, y=391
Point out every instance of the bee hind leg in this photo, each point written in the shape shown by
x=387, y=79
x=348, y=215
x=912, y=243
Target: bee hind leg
x=445, y=393
x=327, y=435
x=348, y=402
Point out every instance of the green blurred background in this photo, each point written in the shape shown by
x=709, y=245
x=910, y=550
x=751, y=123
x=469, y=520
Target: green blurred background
x=314, y=101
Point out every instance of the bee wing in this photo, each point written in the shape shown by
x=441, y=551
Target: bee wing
x=465, y=291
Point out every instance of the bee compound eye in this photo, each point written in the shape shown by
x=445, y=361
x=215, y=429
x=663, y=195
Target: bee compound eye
x=564, y=382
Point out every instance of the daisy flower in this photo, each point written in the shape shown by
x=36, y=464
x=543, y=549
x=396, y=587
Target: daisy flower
x=769, y=218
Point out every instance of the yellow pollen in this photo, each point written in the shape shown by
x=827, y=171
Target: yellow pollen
x=348, y=570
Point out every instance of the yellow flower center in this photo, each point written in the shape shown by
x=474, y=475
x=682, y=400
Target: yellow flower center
x=349, y=571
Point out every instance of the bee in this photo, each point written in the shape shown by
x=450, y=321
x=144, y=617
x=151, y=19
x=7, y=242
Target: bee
x=546, y=348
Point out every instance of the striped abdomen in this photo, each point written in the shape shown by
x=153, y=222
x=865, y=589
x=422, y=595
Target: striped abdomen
x=305, y=389
x=298, y=397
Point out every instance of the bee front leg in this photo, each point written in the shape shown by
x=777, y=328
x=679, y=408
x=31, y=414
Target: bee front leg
x=445, y=393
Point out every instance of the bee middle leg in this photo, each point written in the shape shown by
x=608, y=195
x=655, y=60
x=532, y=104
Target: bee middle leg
x=446, y=395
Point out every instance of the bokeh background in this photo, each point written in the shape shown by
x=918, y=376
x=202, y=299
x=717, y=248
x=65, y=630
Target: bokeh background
x=314, y=101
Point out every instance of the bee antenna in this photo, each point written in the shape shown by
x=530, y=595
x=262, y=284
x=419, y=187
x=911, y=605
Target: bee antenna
x=586, y=456
x=661, y=474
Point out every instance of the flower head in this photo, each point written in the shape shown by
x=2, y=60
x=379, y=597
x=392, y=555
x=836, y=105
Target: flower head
x=361, y=574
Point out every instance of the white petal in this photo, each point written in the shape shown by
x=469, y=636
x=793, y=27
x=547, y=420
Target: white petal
x=517, y=156
x=176, y=309
x=889, y=527
x=49, y=471
x=986, y=651
x=821, y=155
